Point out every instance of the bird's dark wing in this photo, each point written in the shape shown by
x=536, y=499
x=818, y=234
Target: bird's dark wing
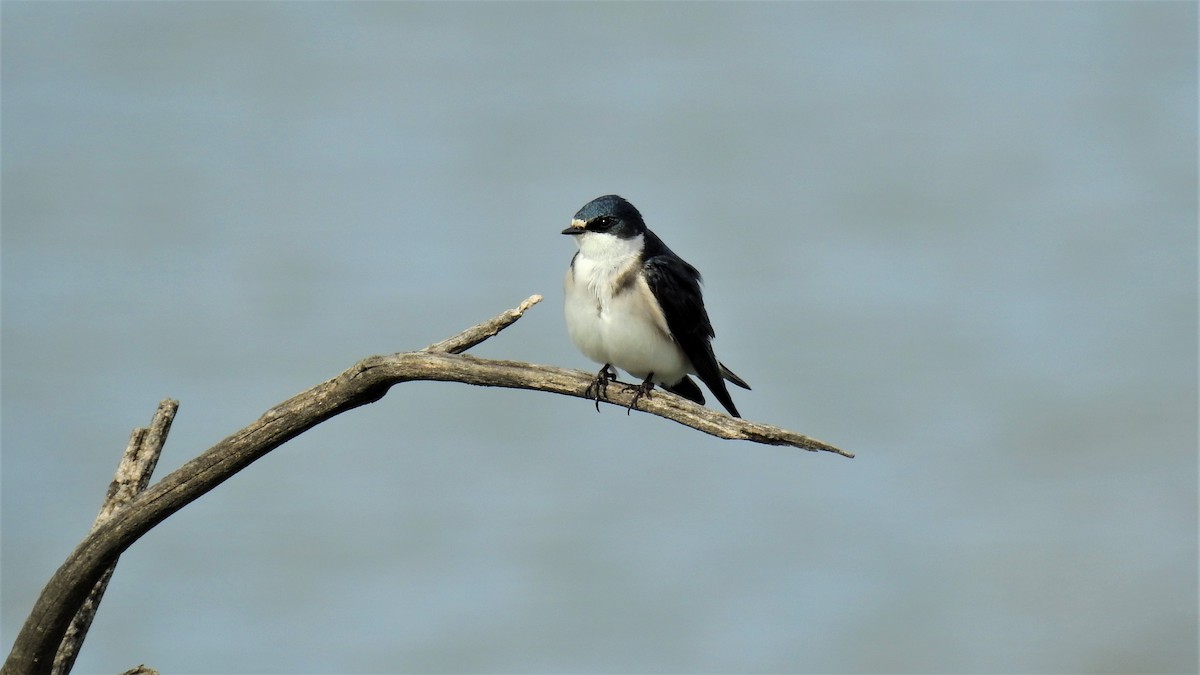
x=676, y=285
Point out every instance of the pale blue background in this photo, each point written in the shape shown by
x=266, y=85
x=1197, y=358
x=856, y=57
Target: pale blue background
x=958, y=239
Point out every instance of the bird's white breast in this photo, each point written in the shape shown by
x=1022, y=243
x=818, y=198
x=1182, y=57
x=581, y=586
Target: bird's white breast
x=611, y=314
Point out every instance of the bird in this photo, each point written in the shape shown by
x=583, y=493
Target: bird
x=632, y=303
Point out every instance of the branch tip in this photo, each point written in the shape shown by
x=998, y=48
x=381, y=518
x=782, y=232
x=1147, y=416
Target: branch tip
x=482, y=331
x=529, y=302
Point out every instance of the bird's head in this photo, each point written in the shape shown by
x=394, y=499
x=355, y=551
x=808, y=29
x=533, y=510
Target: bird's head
x=606, y=216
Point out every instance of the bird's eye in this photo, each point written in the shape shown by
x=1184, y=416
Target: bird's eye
x=601, y=224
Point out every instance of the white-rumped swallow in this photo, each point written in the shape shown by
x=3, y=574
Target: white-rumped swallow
x=633, y=304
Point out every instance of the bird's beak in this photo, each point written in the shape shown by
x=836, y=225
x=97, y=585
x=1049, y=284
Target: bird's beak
x=576, y=227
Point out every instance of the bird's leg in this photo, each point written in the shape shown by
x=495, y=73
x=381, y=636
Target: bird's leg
x=640, y=390
x=599, y=386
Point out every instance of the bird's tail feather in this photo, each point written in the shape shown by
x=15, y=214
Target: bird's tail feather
x=729, y=375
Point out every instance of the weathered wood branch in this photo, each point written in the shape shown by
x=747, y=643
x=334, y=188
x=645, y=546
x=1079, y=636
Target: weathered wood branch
x=133, y=475
x=365, y=382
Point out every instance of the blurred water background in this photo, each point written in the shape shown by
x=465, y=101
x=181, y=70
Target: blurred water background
x=958, y=239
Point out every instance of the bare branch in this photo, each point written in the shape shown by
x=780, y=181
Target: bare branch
x=478, y=333
x=364, y=382
x=133, y=474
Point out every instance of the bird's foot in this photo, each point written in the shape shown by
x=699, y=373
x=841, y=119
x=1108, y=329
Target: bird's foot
x=639, y=390
x=599, y=386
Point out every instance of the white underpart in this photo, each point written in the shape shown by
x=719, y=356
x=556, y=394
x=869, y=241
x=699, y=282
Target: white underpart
x=627, y=330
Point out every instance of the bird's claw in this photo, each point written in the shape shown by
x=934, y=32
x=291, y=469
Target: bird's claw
x=639, y=390
x=599, y=386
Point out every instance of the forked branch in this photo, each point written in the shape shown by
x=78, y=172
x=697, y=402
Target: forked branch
x=364, y=382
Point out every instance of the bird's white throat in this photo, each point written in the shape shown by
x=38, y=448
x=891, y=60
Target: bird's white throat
x=603, y=258
x=601, y=247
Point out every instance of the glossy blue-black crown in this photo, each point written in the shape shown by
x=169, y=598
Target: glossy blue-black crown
x=614, y=214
